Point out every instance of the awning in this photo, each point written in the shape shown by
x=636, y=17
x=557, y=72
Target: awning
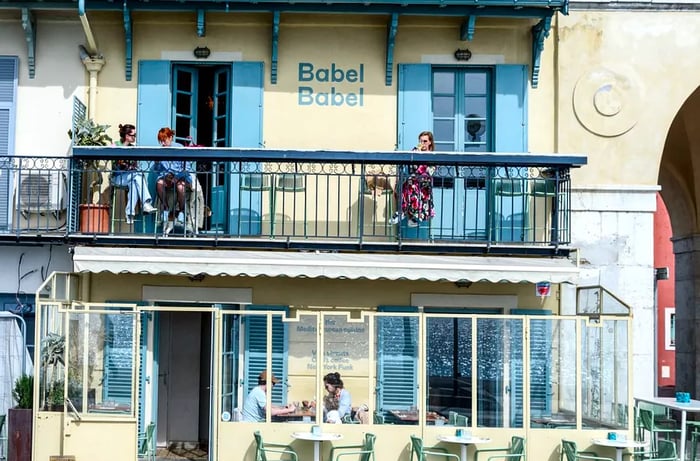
x=351, y=266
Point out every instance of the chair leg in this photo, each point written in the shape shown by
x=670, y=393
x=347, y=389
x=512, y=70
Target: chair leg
x=694, y=442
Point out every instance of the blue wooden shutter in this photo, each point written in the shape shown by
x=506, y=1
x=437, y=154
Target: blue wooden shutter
x=540, y=366
x=8, y=97
x=154, y=101
x=118, y=358
x=256, y=350
x=246, y=131
x=511, y=108
x=415, y=109
x=397, y=359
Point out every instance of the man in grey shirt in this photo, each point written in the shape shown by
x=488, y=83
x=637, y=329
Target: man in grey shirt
x=254, y=406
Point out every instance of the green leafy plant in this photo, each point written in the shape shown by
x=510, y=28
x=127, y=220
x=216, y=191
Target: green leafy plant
x=53, y=348
x=88, y=133
x=23, y=392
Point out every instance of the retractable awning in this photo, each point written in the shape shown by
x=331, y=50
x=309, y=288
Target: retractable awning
x=350, y=266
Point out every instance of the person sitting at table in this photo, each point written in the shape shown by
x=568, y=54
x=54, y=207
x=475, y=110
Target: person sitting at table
x=172, y=174
x=255, y=405
x=338, y=398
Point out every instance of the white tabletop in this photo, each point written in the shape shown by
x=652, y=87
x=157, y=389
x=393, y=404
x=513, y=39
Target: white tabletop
x=626, y=443
x=323, y=436
x=466, y=440
x=670, y=402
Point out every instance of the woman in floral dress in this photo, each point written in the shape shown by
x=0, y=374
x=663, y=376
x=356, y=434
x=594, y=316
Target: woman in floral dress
x=417, y=188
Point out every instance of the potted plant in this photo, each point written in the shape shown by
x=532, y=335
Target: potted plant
x=94, y=215
x=53, y=348
x=19, y=420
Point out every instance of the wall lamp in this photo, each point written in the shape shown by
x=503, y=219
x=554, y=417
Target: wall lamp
x=463, y=55
x=202, y=52
x=463, y=283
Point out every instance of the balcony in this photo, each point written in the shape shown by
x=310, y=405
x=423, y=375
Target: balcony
x=308, y=200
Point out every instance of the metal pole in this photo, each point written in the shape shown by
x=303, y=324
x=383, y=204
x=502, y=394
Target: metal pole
x=24, y=337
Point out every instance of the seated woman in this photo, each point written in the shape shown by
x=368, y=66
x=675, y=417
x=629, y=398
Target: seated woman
x=337, y=403
x=127, y=174
x=172, y=175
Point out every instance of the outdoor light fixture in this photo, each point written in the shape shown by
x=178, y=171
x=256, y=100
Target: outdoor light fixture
x=463, y=55
x=202, y=52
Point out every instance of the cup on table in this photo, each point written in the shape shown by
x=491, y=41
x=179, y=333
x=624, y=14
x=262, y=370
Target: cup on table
x=459, y=432
x=306, y=419
x=316, y=430
x=612, y=436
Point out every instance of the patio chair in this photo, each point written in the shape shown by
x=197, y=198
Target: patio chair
x=452, y=418
x=654, y=427
x=262, y=449
x=569, y=452
x=147, y=443
x=461, y=421
x=363, y=452
x=378, y=418
x=514, y=452
x=423, y=453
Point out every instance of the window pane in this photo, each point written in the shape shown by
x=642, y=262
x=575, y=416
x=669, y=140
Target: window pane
x=444, y=131
x=444, y=82
x=490, y=372
x=444, y=106
x=475, y=107
x=397, y=370
x=346, y=360
x=229, y=367
x=475, y=82
x=303, y=361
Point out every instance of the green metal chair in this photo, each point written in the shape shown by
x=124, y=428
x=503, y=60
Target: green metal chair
x=655, y=427
x=422, y=453
x=569, y=452
x=147, y=443
x=514, y=452
x=262, y=449
x=452, y=418
x=461, y=421
x=378, y=418
x=363, y=452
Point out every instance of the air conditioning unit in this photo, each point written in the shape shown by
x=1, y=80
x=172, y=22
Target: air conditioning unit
x=41, y=191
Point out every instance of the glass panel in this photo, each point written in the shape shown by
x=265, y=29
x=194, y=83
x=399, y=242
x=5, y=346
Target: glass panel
x=397, y=370
x=50, y=330
x=229, y=367
x=449, y=369
x=444, y=82
x=444, y=131
x=553, y=389
x=475, y=82
x=444, y=106
x=182, y=101
x=345, y=367
x=302, y=357
x=182, y=127
x=221, y=104
x=184, y=80
x=490, y=350
x=222, y=81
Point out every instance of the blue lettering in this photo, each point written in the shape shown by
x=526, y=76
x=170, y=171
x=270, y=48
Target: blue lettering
x=322, y=75
x=351, y=99
x=306, y=72
x=351, y=75
x=337, y=74
x=306, y=97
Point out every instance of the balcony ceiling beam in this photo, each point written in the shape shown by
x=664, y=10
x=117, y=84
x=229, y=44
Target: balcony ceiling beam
x=201, y=22
x=466, y=32
x=540, y=32
x=393, y=29
x=128, y=46
x=29, y=26
x=275, y=46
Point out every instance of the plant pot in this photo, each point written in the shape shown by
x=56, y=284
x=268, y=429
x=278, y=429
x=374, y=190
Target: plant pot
x=19, y=434
x=94, y=219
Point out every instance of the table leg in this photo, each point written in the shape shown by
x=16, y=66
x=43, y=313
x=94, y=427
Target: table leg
x=618, y=453
x=463, y=456
x=681, y=455
x=317, y=450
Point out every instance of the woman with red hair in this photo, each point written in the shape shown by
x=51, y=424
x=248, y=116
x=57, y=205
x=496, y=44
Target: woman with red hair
x=172, y=174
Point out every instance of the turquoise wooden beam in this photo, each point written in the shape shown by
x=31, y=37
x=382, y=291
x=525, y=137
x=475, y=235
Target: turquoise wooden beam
x=201, y=23
x=466, y=32
x=540, y=32
x=128, y=45
x=390, y=43
x=29, y=26
x=275, y=45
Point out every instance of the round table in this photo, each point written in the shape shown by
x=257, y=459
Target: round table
x=619, y=445
x=463, y=441
x=317, y=439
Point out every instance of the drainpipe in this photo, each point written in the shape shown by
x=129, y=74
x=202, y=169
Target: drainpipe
x=93, y=65
x=92, y=43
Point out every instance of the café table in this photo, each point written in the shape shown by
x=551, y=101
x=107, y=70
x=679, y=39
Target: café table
x=317, y=439
x=619, y=445
x=670, y=402
x=411, y=416
x=297, y=415
x=463, y=441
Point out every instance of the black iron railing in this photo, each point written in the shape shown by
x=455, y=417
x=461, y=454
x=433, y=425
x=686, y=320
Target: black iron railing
x=340, y=198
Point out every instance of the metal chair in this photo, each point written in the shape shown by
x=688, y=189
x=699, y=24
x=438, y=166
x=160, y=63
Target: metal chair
x=514, y=452
x=569, y=452
x=422, y=453
x=262, y=449
x=147, y=444
x=655, y=427
x=364, y=452
x=461, y=421
x=377, y=417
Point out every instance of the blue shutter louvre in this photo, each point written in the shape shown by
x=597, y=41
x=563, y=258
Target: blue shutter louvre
x=8, y=90
x=397, y=361
x=118, y=358
x=154, y=100
x=256, y=350
x=415, y=113
x=246, y=131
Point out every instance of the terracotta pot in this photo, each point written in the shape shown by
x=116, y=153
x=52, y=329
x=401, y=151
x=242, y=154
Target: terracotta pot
x=94, y=219
x=19, y=434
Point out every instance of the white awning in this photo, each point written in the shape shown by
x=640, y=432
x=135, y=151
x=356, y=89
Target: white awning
x=319, y=264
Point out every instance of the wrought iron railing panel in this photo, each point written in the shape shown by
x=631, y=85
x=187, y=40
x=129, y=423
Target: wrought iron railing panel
x=357, y=198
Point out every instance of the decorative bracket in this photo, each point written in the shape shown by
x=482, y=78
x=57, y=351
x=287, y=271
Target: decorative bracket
x=466, y=32
x=201, y=23
x=275, y=46
x=29, y=26
x=128, y=47
x=540, y=32
x=390, y=42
